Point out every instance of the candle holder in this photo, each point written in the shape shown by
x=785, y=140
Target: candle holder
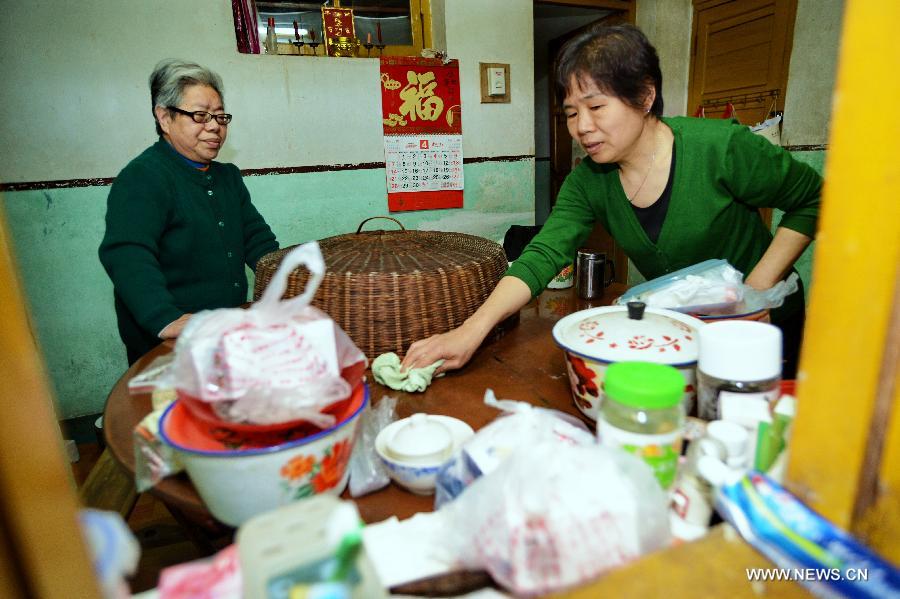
x=381, y=48
x=368, y=46
x=314, y=46
x=299, y=44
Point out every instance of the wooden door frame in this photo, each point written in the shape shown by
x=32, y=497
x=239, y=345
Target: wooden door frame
x=561, y=141
x=627, y=6
x=44, y=554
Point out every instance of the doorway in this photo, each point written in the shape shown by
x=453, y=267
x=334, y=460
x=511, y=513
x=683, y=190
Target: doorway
x=554, y=24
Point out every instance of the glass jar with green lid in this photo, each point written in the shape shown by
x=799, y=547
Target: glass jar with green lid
x=644, y=415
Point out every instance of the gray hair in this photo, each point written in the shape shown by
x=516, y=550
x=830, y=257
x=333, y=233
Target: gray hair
x=171, y=76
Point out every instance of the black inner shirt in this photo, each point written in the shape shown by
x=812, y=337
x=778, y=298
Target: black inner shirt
x=652, y=217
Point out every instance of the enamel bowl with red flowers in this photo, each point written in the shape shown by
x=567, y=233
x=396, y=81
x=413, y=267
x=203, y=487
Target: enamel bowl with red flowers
x=238, y=477
x=595, y=338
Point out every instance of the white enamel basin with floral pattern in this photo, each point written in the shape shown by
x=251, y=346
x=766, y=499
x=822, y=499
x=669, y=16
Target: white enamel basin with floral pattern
x=595, y=338
x=236, y=484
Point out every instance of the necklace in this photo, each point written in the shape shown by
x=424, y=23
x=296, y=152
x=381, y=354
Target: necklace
x=647, y=174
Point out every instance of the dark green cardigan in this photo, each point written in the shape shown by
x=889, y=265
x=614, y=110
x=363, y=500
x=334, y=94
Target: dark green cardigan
x=177, y=239
x=723, y=174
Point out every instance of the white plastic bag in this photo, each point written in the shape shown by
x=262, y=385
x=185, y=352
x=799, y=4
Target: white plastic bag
x=708, y=287
x=555, y=515
x=518, y=424
x=274, y=362
x=769, y=129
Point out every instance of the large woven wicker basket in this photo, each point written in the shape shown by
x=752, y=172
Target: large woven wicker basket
x=387, y=289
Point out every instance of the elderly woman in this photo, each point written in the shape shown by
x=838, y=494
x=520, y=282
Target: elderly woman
x=671, y=191
x=179, y=226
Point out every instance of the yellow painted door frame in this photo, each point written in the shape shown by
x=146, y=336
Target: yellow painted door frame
x=845, y=454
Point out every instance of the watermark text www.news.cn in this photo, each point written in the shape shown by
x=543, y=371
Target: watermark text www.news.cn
x=807, y=574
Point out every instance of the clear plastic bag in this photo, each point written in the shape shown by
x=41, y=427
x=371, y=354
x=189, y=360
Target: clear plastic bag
x=519, y=424
x=153, y=459
x=154, y=375
x=367, y=472
x=279, y=360
x=554, y=515
x=711, y=287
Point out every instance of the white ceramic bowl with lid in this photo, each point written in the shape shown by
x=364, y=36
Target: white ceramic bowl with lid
x=420, y=439
x=595, y=338
x=412, y=459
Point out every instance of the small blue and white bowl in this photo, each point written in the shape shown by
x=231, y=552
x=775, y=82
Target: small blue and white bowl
x=414, y=449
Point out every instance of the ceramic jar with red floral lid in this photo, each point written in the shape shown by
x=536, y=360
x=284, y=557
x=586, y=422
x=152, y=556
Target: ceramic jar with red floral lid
x=595, y=338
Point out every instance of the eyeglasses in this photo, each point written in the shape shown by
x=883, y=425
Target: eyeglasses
x=203, y=117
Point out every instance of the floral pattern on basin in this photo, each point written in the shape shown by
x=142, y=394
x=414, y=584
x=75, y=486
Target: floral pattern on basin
x=581, y=376
x=303, y=475
x=595, y=338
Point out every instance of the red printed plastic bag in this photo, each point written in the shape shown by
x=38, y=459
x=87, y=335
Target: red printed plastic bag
x=279, y=360
x=555, y=515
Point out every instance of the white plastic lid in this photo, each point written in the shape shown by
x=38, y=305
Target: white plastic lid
x=740, y=350
x=734, y=437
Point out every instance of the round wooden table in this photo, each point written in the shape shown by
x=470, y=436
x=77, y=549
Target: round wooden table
x=524, y=364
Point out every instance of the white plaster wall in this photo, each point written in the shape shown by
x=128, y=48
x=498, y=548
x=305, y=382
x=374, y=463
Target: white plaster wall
x=667, y=24
x=812, y=72
x=75, y=104
x=494, y=31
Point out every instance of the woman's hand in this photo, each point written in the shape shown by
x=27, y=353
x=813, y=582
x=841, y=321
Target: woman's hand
x=173, y=329
x=457, y=346
x=454, y=347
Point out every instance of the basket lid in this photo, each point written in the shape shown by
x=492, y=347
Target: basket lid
x=400, y=252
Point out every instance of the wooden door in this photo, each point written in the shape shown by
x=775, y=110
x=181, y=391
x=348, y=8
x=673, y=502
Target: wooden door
x=740, y=54
x=561, y=144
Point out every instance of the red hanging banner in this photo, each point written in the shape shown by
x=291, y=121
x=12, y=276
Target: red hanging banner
x=336, y=22
x=422, y=125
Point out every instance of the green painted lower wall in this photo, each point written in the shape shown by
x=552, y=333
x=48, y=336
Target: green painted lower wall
x=56, y=233
x=541, y=191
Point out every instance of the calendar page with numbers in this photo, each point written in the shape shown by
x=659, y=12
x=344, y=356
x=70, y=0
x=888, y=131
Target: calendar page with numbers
x=423, y=162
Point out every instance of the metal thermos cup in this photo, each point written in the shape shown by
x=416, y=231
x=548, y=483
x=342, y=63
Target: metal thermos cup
x=590, y=271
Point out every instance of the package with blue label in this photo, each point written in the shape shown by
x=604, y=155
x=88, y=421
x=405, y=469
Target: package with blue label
x=817, y=554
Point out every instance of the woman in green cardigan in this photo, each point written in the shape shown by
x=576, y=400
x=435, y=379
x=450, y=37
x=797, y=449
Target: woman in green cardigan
x=671, y=191
x=179, y=226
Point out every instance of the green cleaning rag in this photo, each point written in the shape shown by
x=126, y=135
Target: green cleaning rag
x=386, y=370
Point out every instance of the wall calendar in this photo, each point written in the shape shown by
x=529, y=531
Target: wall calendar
x=422, y=133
